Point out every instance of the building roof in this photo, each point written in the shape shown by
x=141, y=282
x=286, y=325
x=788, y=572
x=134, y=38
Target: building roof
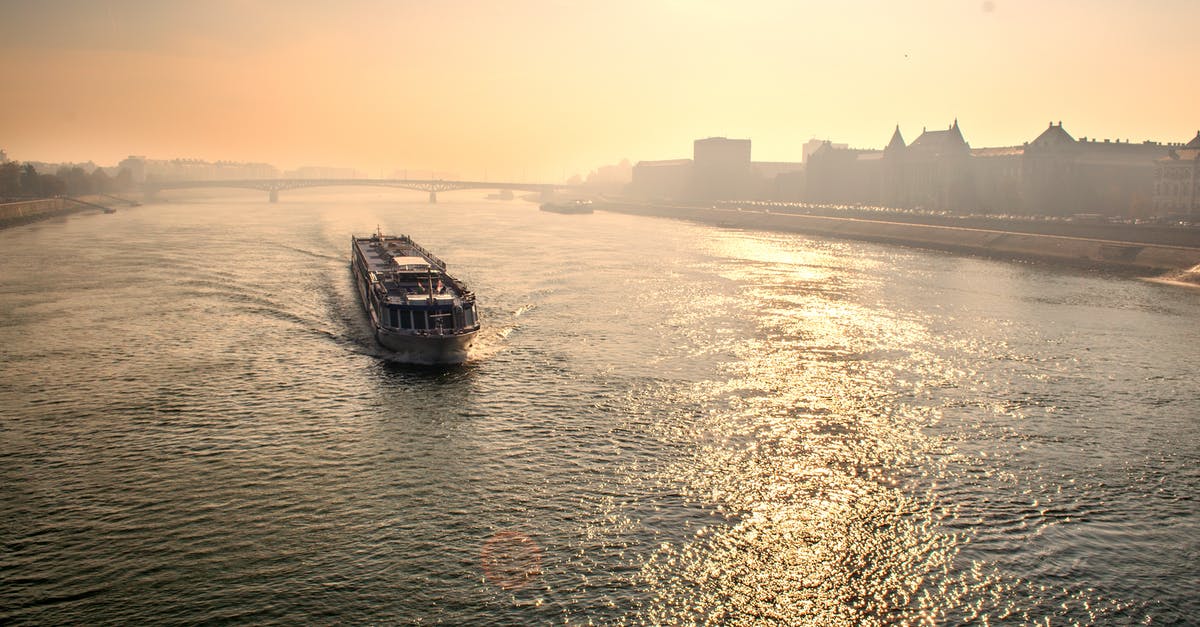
x=1000, y=151
x=1181, y=154
x=663, y=163
x=1119, y=153
x=826, y=147
x=1053, y=137
x=721, y=140
x=1195, y=143
x=949, y=141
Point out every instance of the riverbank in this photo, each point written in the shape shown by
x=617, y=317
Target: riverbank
x=24, y=212
x=1140, y=257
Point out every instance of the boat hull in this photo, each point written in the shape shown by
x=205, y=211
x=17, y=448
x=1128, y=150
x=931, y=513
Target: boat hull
x=429, y=350
x=575, y=208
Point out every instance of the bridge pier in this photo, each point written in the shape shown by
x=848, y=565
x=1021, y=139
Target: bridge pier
x=433, y=198
x=274, y=195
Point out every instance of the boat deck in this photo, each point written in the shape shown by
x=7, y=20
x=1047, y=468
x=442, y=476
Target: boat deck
x=409, y=273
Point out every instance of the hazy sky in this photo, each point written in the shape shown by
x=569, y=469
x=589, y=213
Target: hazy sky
x=535, y=90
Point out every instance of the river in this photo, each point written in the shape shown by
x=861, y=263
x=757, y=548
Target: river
x=662, y=423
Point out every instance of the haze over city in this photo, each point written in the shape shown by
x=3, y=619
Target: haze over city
x=544, y=90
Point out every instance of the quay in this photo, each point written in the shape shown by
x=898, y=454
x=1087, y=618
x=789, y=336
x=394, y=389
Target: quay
x=1147, y=258
x=24, y=212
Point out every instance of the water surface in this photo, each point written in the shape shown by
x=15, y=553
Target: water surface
x=663, y=423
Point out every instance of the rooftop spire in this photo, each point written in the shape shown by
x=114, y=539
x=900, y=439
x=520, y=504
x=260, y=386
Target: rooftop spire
x=897, y=140
x=956, y=132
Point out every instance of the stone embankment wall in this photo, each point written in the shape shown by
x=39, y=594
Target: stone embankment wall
x=15, y=212
x=1150, y=258
x=23, y=212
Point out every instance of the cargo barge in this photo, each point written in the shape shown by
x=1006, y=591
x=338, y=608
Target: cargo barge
x=573, y=207
x=418, y=311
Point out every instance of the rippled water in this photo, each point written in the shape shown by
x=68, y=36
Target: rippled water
x=664, y=423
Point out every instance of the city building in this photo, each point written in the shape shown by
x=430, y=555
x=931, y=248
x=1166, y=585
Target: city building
x=996, y=177
x=661, y=180
x=840, y=175
x=937, y=170
x=136, y=166
x=141, y=169
x=1177, y=181
x=814, y=145
x=777, y=180
x=721, y=169
x=610, y=179
x=1054, y=174
x=1064, y=176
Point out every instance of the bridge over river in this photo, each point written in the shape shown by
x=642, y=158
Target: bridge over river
x=274, y=186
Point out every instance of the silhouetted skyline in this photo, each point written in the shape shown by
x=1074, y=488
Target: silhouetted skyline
x=544, y=90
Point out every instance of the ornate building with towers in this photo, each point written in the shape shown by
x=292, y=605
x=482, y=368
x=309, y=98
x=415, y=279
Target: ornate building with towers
x=1054, y=174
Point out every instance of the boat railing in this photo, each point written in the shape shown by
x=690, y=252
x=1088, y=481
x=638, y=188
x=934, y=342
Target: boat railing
x=432, y=258
x=451, y=330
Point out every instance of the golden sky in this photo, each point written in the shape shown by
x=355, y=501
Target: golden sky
x=539, y=90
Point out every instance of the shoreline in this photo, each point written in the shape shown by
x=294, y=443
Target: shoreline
x=1178, y=264
x=29, y=211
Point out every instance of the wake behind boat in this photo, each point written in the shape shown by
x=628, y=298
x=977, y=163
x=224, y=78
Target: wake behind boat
x=417, y=310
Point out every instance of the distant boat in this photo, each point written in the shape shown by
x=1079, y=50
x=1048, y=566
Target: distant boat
x=575, y=206
x=418, y=310
x=504, y=194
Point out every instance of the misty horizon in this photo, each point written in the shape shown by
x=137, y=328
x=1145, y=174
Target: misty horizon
x=539, y=91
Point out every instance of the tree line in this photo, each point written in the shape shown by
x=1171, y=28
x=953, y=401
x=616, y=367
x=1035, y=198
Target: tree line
x=22, y=181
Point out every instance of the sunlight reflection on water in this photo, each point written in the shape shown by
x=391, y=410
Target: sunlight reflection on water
x=662, y=423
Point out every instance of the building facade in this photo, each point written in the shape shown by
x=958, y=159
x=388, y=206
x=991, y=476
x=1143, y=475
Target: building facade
x=839, y=175
x=721, y=169
x=1054, y=174
x=936, y=172
x=777, y=180
x=661, y=180
x=1063, y=176
x=1177, y=181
